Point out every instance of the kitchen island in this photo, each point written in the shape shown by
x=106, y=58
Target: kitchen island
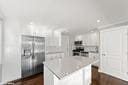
x=73, y=70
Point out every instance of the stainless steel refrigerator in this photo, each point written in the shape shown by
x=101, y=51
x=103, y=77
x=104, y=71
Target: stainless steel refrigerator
x=33, y=55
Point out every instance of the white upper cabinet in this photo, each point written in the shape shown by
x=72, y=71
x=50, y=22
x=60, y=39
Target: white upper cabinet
x=35, y=30
x=53, y=38
x=113, y=54
x=56, y=38
x=91, y=39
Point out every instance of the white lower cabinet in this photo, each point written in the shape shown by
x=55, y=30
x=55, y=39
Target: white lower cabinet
x=91, y=39
x=80, y=77
x=113, y=54
x=74, y=79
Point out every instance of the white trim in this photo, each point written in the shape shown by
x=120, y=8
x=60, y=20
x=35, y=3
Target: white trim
x=123, y=76
x=113, y=24
x=114, y=28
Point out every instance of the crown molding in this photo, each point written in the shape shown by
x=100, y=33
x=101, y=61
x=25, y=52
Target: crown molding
x=117, y=24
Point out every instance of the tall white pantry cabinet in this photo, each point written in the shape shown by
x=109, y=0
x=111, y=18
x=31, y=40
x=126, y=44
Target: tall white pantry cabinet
x=114, y=52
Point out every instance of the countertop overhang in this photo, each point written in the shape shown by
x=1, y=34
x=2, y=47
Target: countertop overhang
x=66, y=66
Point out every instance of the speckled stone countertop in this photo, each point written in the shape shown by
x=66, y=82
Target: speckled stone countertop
x=64, y=66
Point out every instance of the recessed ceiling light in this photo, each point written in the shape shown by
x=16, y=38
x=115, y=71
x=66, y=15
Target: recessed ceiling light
x=98, y=20
x=31, y=23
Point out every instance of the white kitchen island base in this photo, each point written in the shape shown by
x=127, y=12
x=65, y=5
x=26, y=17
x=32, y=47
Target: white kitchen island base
x=80, y=77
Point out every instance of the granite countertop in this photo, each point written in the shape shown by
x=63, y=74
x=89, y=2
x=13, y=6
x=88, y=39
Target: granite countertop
x=68, y=65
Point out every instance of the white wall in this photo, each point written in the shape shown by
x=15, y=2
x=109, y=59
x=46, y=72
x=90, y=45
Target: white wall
x=13, y=29
x=11, y=51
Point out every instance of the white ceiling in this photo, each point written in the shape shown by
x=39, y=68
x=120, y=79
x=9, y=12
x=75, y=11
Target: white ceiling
x=78, y=16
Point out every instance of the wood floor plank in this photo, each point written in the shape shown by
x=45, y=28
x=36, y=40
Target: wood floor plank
x=97, y=79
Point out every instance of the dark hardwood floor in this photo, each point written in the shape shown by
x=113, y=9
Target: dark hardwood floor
x=33, y=80
x=95, y=76
x=104, y=79
x=97, y=79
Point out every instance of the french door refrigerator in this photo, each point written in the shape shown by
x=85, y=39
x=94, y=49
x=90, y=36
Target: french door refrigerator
x=33, y=55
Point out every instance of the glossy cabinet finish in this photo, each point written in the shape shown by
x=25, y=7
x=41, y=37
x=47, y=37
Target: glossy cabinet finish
x=91, y=39
x=53, y=38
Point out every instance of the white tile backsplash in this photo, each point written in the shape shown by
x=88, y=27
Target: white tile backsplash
x=53, y=49
x=91, y=48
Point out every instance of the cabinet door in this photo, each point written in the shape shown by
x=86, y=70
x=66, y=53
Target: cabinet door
x=74, y=79
x=86, y=40
x=53, y=38
x=57, y=38
x=94, y=38
x=49, y=38
x=113, y=42
x=65, y=45
x=91, y=39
